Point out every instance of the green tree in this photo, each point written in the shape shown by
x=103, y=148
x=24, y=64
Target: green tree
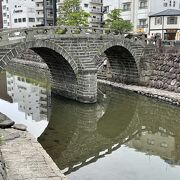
x=71, y=14
x=116, y=23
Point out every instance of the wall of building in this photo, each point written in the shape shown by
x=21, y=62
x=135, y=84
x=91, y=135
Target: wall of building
x=160, y=26
x=18, y=13
x=1, y=15
x=138, y=14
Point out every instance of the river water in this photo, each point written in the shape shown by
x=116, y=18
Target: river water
x=124, y=136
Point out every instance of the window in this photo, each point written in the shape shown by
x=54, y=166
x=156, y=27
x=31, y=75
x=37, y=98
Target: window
x=172, y=20
x=163, y=145
x=142, y=23
x=24, y=19
x=174, y=3
x=86, y=5
x=165, y=4
x=170, y=4
x=19, y=20
x=106, y=9
x=15, y=20
x=143, y=4
x=31, y=19
x=158, y=20
x=150, y=141
x=126, y=6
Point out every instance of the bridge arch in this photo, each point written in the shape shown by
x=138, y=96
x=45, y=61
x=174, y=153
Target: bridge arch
x=124, y=60
x=65, y=71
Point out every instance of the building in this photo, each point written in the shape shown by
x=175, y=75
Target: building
x=32, y=99
x=18, y=13
x=45, y=12
x=138, y=11
x=3, y=90
x=39, y=12
x=49, y=12
x=94, y=7
x=157, y=144
x=165, y=24
x=108, y=6
x=1, y=17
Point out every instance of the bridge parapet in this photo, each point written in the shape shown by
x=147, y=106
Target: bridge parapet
x=16, y=35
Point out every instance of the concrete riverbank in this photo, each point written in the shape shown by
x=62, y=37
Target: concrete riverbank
x=168, y=96
x=24, y=158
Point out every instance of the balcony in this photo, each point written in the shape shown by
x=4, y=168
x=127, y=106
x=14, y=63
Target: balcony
x=96, y=11
x=39, y=8
x=143, y=7
x=96, y=20
x=39, y=1
x=96, y=1
x=126, y=9
x=142, y=26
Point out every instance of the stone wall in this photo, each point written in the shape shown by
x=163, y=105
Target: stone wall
x=165, y=72
x=3, y=174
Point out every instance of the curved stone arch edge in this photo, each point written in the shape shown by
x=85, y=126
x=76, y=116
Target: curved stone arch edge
x=122, y=44
x=16, y=50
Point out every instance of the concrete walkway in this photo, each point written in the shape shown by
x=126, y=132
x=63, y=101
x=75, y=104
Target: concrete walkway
x=25, y=159
x=156, y=93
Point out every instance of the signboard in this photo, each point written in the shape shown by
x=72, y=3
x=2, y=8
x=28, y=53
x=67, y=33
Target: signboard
x=140, y=30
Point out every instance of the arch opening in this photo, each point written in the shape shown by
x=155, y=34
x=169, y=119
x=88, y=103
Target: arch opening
x=63, y=78
x=120, y=66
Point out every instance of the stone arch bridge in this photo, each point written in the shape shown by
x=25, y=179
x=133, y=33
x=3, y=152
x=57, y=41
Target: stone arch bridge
x=74, y=56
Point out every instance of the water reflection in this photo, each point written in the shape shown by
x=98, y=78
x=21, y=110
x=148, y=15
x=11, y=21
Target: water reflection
x=122, y=136
x=25, y=97
x=80, y=135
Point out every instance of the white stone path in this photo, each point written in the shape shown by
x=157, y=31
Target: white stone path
x=25, y=159
x=146, y=90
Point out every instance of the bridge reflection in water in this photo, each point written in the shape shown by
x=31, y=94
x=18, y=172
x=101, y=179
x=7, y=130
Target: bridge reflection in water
x=78, y=135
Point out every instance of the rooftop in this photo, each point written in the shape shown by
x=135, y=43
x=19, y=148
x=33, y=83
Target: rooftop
x=168, y=12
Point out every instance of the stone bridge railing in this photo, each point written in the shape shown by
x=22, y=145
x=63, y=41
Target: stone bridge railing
x=11, y=36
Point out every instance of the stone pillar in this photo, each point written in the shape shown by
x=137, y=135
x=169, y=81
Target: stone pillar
x=87, y=86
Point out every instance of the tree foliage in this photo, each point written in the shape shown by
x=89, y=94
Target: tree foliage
x=116, y=23
x=71, y=14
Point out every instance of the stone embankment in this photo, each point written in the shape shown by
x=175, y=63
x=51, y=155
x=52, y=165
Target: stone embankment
x=22, y=157
x=165, y=72
x=163, y=95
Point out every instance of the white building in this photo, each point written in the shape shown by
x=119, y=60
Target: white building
x=165, y=24
x=94, y=7
x=39, y=12
x=138, y=11
x=18, y=13
x=108, y=6
x=32, y=99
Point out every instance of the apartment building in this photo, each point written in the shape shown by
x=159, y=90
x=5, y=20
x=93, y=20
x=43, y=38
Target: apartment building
x=138, y=11
x=108, y=6
x=94, y=7
x=32, y=99
x=1, y=17
x=45, y=12
x=18, y=13
x=39, y=12
x=49, y=12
